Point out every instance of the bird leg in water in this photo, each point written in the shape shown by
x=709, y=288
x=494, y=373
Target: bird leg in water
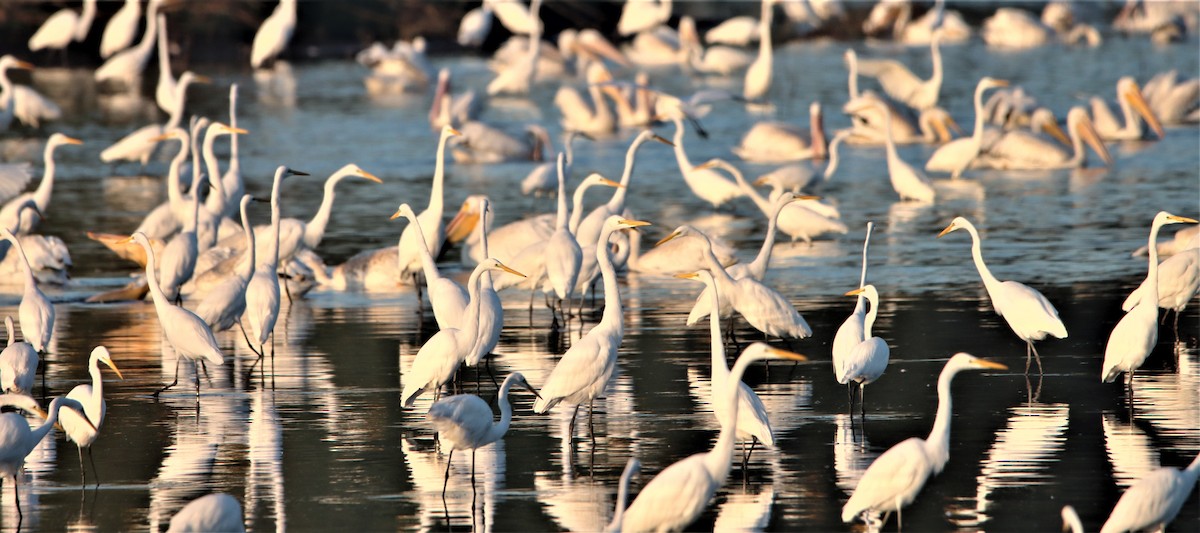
x=174, y=381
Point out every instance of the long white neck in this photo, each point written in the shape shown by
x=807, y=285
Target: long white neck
x=561, y=216
x=612, y=293
x=937, y=444
x=314, y=230
x=215, y=203
x=989, y=281
x=42, y=195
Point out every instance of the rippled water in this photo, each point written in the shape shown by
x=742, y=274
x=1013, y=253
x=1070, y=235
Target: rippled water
x=318, y=442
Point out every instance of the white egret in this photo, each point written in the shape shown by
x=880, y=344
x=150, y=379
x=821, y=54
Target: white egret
x=10, y=214
x=209, y=513
x=1030, y=315
x=1178, y=282
x=909, y=183
x=680, y=493
x=631, y=469
x=18, y=363
x=1131, y=100
x=438, y=359
x=17, y=439
x=447, y=298
x=262, y=294
x=225, y=303
x=1154, y=501
x=894, y=478
x=563, y=256
x=185, y=332
x=957, y=155
x=763, y=307
x=760, y=72
x=121, y=28
x=641, y=15
x=1017, y=150
x=84, y=433
x=1134, y=337
x=583, y=372
x=36, y=312
x=777, y=142
x=125, y=67
x=853, y=329
x=705, y=183
x=868, y=359
x=431, y=218
x=901, y=84
x=63, y=27
x=587, y=231
x=274, y=33
x=752, y=423
x=464, y=421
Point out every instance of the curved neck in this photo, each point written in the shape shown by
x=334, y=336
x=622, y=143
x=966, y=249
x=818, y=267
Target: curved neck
x=612, y=293
x=314, y=230
x=937, y=445
x=989, y=281
x=42, y=195
x=439, y=177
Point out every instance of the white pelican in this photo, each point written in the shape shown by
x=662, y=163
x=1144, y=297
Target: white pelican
x=776, y=142
x=121, y=28
x=62, y=27
x=18, y=363
x=641, y=15
x=763, y=307
x=542, y=178
x=1154, y=501
x=868, y=359
x=17, y=439
x=274, y=33
x=852, y=332
x=1134, y=337
x=583, y=372
x=894, y=478
x=431, y=217
x=587, y=232
x=596, y=118
x=225, y=303
x=1030, y=315
x=909, y=183
x=705, y=183
x=1174, y=101
x=1017, y=150
x=438, y=359
x=447, y=298
x=464, y=421
x=1178, y=282
x=125, y=67
x=957, y=155
x=36, y=312
x=631, y=469
x=896, y=16
x=138, y=145
x=83, y=434
x=10, y=214
x=185, y=332
x=758, y=75
x=681, y=492
x=475, y=26
x=1131, y=100
x=262, y=293
x=901, y=84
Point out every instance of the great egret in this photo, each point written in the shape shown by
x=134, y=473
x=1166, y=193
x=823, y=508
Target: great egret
x=894, y=478
x=17, y=439
x=1131, y=100
x=262, y=294
x=587, y=232
x=752, y=422
x=185, y=332
x=18, y=363
x=82, y=433
x=631, y=469
x=431, y=218
x=1135, y=335
x=274, y=33
x=705, y=183
x=10, y=215
x=678, y=494
x=438, y=359
x=1030, y=315
x=447, y=298
x=1024, y=151
x=36, y=312
x=957, y=155
x=121, y=28
x=778, y=142
x=464, y=421
x=226, y=302
x=62, y=27
x=125, y=67
x=868, y=359
x=853, y=329
x=1154, y=501
x=583, y=372
x=901, y=84
x=211, y=512
x=763, y=307
x=759, y=74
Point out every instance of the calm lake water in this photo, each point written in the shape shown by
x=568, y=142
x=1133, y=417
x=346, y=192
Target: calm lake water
x=319, y=442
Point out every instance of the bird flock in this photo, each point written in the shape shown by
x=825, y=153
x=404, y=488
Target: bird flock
x=208, y=269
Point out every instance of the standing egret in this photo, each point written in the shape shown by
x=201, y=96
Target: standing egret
x=82, y=433
x=852, y=331
x=17, y=439
x=211, y=512
x=18, y=363
x=121, y=28
x=226, y=302
x=10, y=214
x=1028, y=313
x=894, y=478
x=583, y=372
x=431, y=218
x=125, y=67
x=1153, y=501
x=957, y=155
x=563, y=255
x=752, y=422
x=759, y=74
x=274, y=33
x=464, y=421
x=1135, y=335
x=868, y=359
x=677, y=495
x=631, y=468
x=187, y=333
x=63, y=27
x=438, y=359
x=36, y=313
x=447, y=298
x=262, y=294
